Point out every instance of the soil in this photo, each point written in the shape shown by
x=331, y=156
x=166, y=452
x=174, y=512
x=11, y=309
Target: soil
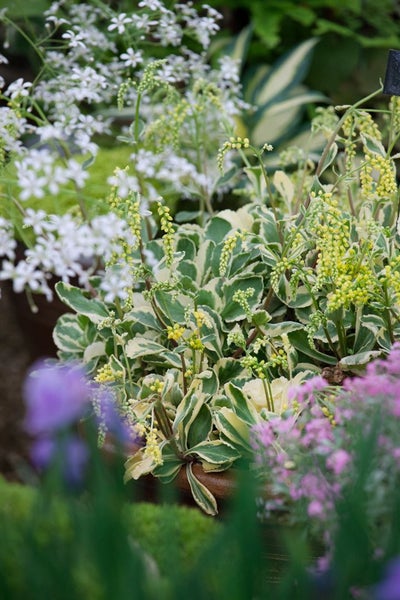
x=15, y=360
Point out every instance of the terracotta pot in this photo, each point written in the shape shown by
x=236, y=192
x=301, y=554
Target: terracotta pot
x=222, y=485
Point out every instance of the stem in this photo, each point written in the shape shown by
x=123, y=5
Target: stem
x=184, y=384
x=387, y=316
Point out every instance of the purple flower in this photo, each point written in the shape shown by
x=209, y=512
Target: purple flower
x=71, y=450
x=389, y=588
x=55, y=397
x=338, y=461
x=109, y=418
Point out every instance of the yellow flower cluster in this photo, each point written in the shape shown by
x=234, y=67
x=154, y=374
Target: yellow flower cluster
x=241, y=297
x=152, y=448
x=354, y=284
x=165, y=130
x=377, y=176
x=332, y=238
x=105, y=374
x=234, y=143
x=227, y=249
x=167, y=227
x=201, y=319
x=394, y=106
x=175, y=332
x=391, y=277
x=157, y=386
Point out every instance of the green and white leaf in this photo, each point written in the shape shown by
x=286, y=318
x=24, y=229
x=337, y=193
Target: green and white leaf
x=201, y=494
x=75, y=298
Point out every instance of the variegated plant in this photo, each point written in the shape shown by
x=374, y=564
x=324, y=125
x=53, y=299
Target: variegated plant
x=214, y=323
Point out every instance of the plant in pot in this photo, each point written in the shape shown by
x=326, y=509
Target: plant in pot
x=201, y=330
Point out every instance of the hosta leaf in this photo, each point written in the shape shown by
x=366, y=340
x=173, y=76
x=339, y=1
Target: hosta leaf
x=233, y=311
x=172, y=305
x=138, y=465
x=329, y=158
x=360, y=359
x=284, y=185
x=300, y=342
x=170, y=466
x=215, y=451
x=201, y=494
x=144, y=316
x=216, y=229
x=285, y=73
x=228, y=369
x=200, y=428
x=94, y=350
x=68, y=335
x=141, y=346
x=75, y=298
x=373, y=145
x=245, y=410
x=232, y=427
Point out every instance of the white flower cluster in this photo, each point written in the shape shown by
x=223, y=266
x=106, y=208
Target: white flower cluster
x=64, y=247
x=50, y=129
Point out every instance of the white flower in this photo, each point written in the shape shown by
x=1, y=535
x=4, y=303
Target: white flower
x=74, y=39
x=119, y=23
x=18, y=88
x=229, y=68
x=36, y=220
x=131, y=57
x=76, y=173
x=3, y=60
x=152, y=5
x=124, y=183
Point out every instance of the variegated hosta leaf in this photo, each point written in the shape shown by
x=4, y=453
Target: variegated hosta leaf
x=359, y=360
x=170, y=466
x=229, y=368
x=173, y=306
x=285, y=73
x=140, y=346
x=68, y=334
x=232, y=427
x=138, y=465
x=233, y=311
x=244, y=409
x=94, y=350
x=200, y=428
x=75, y=298
x=215, y=451
x=201, y=494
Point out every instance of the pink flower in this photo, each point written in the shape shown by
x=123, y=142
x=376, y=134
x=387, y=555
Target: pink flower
x=338, y=461
x=315, y=509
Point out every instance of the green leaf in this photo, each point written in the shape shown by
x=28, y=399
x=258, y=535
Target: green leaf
x=75, y=298
x=233, y=311
x=245, y=410
x=170, y=466
x=201, y=494
x=228, y=369
x=68, y=334
x=172, y=306
x=285, y=73
x=373, y=145
x=215, y=452
x=329, y=158
x=232, y=427
x=300, y=342
x=360, y=359
x=200, y=428
x=277, y=121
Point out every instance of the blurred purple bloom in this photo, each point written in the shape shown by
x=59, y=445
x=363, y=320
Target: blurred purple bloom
x=109, y=418
x=55, y=397
x=71, y=451
x=389, y=588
